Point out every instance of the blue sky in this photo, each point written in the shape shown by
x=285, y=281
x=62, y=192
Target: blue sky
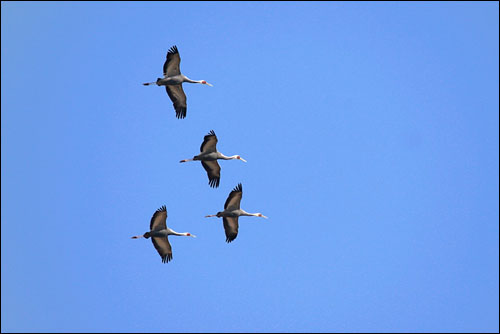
x=371, y=135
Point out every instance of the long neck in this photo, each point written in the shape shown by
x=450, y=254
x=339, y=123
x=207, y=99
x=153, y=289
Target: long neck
x=186, y=79
x=244, y=213
x=222, y=156
x=172, y=232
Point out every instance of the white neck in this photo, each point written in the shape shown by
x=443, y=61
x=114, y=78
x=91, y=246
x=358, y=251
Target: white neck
x=228, y=158
x=186, y=79
x=244, y=213
x=172, y=232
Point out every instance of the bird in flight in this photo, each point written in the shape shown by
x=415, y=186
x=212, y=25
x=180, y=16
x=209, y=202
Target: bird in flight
x=159, y=233
x=208, y=157
x=173, y=79
x=231, y=213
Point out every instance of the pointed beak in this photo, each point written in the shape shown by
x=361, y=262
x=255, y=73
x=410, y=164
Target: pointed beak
x=192, y=235
x=242, y=159
x=209, y=84
x=264, y=217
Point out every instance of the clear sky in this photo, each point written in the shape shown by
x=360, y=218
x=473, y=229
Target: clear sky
x=371, y=132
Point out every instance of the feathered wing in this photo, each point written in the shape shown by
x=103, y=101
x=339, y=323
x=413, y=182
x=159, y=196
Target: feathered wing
x=234, y=198
x=176, y=94
x=213, y=172
x=209, y=142
x=172, y=65
x=159, y=219
x=163, y=247
x=230, y=227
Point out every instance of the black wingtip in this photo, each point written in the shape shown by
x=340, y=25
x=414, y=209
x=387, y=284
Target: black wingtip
x=181, y=113
x=239, y=187
x=229, y=240
x=162, y=208
x=211, y=133
x=214, y=183
x=173, y=50
x=166, y=258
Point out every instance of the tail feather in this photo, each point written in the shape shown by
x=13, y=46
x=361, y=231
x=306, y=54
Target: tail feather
x=145, y=235
x=152, y=83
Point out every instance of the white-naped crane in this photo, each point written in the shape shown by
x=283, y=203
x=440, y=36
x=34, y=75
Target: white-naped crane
x=231, y=213
x=159, y=233
x=209, y=156
x=173, y=79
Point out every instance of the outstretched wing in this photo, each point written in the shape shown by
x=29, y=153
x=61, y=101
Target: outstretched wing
x=172, y=65
x=176, y=94
x=209, y=142
x=234, y=198
x=213, y=172
x=230, y=227
x=163, y=247
x=159, y=219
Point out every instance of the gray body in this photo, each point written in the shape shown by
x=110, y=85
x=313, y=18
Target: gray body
x=159, y=232
x=172, y=80
x=231, y=213
x=162, y=233
x=210, y=156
